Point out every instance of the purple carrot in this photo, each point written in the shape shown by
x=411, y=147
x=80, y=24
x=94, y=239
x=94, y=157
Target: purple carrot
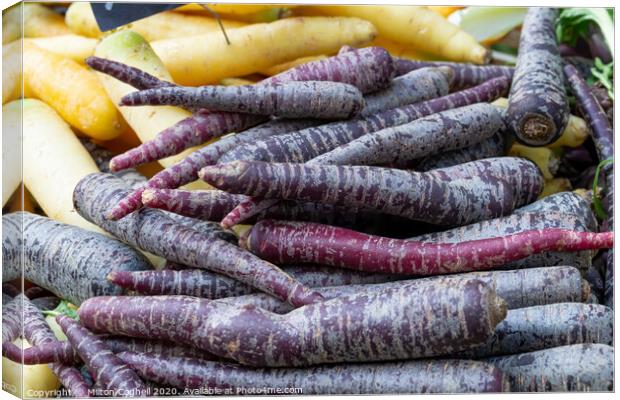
x=12, y=320
x=432, y=376
x=433, y=134
x=34, y=292
x=517, y=223
x=46, y=303
x=537, y=105
x=108, y=370
x=495, y=146
x=465, y=75
x=65, y=353
x=10, y=289
x=199, y=283
x=307, y=144
x=576, y=367
x=67, y=260
x=368, y=69
x=286, y=242
x=566, y=203
x=127, y=74
x=316, y=99
x=386, y=325
x=545, y=326
x=186, y=170
x=412, y=195
x=153, y=231
x=602, y=134
x=38, y=333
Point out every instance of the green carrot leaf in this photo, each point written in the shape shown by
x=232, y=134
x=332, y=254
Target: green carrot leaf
x=63, y=308
x=596, y=201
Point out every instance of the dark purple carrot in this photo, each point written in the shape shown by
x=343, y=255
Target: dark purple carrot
x=186, y=171
x=130, y=75
x=307, y=144
x=200, y=283
x=547, y=326
x=412, y=195
x=433, y=134
x=38, y=333
x=368, y=69
x=363, y=327
x=576, y=367
x=602, y=134
x=34, y=292
x=69, y=261
x=517, y=223
x=12, y=320
x=316, y=99
x=537, y=105
x=153, y=231
x=46, y=303
x=10, y=289
x=109, y=371
x=518, y=288
x=65, y=353
x=566, y=203
x=432, y=376
x=409, y=88
x=465, y=75
x=286, y=242
x=495, y=146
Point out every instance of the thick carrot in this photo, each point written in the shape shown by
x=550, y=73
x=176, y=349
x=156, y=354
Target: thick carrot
x=199, y=283
x=433, y=376
x=465, y=75
x=133, y=76
x=602, y=134
x=34, y=292
x=316, y=99
x=358, y=328
x=367, y=69
x=364, y=186
x=537, y=105
x=12, y=320
x=67, y=260
x=108, y=370
x=436, y=133
x=547, y=326
x=284, y=242
x=566, y=203
x=160, y=235
x=576, y=367
x=518, y=288
x=46, y=303
x=186, y=170
x=495, y=146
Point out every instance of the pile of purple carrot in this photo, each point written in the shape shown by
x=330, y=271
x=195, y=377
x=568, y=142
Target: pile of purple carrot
x=366, y=234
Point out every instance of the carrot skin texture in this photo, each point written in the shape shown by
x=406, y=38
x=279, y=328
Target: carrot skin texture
x=316, y=99
x=199, y=283
x=69, y=261
x=602, y=134
x=12, y=320
x=107, y=369
x=518, y=288
x=125, y=73
x=469, y=200
x=367, y=69
x=552, y=325
x=37, y=332
x=444, y=376
x=537, y=105
x=577, y=367
x=464, y=75
x=186, y=171
x=286, y=242
x=433, y=134
x=153, y=231
x=257, y=337
x=564, y=202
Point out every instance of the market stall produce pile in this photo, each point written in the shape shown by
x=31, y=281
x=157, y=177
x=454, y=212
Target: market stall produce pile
x=307, y=200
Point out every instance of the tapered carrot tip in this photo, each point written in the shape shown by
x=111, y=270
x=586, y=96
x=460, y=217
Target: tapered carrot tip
x=64, y=322
x=120, y=278
x=130, y=203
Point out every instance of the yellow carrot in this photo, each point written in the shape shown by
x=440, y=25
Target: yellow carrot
x=400, y=50
x=555, y=185
x=81, y=20
x=236, y=82
x=206, y=59
x=546, y=160
x=147, y=121
x=73, y=91
x=444, y=11
x=233, y=9
x=276, y=69
x=418, y=27
x=574, y=135
x=12, y=23
x=75, y=47
x=54, y=160
x=11, y=71
x=11, y=156
x=38, y=20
